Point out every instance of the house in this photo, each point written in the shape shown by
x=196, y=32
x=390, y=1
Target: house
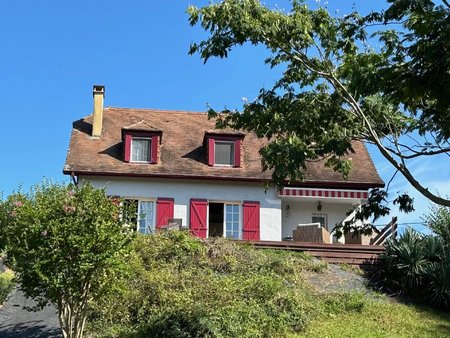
x=176, y=165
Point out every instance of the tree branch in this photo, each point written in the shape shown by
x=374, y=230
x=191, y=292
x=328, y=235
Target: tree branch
x=400, y=167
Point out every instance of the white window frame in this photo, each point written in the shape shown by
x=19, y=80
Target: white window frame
x=153, y=201
x=138, y=200
x=239, y=231
x=232, y=153
x=224, y=231
x=149, y=149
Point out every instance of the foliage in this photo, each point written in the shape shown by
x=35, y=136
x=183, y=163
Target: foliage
x=185, y=287
x=6, y=284
x=419, y=266
x=66, y=245
x=438, y=220
x=336, y=89
x=227, y=289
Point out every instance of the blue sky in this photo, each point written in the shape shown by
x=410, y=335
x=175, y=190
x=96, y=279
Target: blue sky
x=52, y=52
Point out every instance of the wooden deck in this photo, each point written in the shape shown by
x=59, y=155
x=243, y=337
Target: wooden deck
x=363, y=256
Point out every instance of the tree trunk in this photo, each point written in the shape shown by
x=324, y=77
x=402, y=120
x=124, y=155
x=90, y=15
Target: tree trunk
x=71, y=320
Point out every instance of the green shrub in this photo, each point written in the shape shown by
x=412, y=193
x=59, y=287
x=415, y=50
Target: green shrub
x=179, y=324
x=6, y=284
x=437, y=286
x=405, y=261
x=418, y=265
x=438, y=220
x=182, y=286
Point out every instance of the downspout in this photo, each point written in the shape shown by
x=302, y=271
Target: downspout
x=74, y=178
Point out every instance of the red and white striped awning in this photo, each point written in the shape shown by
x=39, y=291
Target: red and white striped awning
x=323, y=193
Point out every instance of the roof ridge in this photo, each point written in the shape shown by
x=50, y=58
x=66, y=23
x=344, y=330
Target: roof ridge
x=156, y=110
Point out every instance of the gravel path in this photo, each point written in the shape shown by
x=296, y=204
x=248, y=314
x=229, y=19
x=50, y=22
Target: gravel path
x=337, y=279
x=16, y=322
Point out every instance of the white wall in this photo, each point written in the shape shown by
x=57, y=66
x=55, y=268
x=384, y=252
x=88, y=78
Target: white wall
x=183, y=190
x=302, y=211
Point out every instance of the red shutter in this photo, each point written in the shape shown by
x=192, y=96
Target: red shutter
x=154, y=151
x=211, y=151
x=127, y=148
x=251, y=220
x=164, y=211
x=237, y=153
x=197, y=222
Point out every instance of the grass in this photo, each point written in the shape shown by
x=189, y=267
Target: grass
x=380, y=319
x=351, y=268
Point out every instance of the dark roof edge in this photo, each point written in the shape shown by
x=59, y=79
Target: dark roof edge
x=316, y=184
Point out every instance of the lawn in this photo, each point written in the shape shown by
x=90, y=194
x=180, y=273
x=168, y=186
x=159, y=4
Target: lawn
x=381, y=318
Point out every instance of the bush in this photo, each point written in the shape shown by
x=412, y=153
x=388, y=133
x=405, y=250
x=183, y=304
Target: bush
x=438, y=220
x=437, y=285
x=6, y=284
x=419, y=266
x=182, y=286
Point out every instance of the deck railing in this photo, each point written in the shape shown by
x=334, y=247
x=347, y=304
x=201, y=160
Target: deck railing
x=389, y=231
x=363, y=256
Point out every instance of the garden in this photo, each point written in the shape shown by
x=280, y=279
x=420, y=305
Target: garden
x=72, y=246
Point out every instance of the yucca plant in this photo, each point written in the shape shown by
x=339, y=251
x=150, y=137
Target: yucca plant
x=405, y=261
x=437, y=284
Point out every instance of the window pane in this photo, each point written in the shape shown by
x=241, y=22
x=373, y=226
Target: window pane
x=140, y=150
x=146, y=212
x=320, y=218
x=232, y=221
x=224, y=153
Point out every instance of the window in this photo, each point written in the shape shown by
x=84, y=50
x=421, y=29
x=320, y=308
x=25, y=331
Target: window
x=223, y=219
x=146, y=213
x=223, y=149
x=232, y=221
x=320, y=218
x=141, y=146
x=140, y=149
x=224, y=153
x=142, y=214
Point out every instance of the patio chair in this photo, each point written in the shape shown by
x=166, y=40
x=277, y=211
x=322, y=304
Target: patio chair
x=311, y=232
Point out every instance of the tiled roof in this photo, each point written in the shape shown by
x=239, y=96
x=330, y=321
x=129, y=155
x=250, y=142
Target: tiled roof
x=182, y=154
x=141, y=126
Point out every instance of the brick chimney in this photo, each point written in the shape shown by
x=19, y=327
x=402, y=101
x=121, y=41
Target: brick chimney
x=99, y=96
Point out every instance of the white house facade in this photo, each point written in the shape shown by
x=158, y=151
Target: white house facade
x=177, y=167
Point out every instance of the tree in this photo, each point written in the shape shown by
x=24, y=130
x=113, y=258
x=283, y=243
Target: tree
x=65, y=244
x=336, y=89
x=438, y=221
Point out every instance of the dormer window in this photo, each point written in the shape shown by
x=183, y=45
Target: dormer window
x=223, y=149
x=224, y=153
x=141, y=149
x=140, y=143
